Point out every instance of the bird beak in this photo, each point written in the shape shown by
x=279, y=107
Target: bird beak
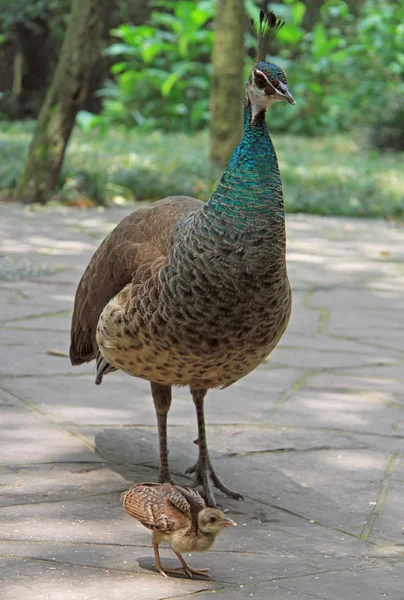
x=229, y=523
x=283, y=91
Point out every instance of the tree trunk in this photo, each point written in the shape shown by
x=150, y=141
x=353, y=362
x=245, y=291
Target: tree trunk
x=312, y=13
x=227, y=89
x=63, y=100
x=17, y=72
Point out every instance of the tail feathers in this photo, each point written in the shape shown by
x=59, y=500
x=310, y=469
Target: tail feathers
x=102, y=368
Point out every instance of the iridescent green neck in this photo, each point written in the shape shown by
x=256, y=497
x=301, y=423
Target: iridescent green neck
x=249, y=195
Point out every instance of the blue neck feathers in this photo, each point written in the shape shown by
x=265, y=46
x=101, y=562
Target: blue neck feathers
x=249, y=194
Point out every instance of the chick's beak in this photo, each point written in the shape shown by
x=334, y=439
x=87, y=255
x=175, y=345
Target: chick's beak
x=229, y=523
x=284, y=91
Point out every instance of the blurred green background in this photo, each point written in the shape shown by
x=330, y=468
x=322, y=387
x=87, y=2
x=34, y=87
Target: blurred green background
x=143, y=131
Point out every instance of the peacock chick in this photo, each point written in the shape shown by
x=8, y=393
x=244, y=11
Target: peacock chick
x=176, y=515
x=195, y=294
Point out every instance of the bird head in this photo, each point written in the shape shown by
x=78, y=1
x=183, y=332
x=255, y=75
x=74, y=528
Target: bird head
x=213, y=520
x=267, y=82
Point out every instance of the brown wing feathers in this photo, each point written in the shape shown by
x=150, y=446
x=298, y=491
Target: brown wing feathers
x=162, y=507
x=126, y=255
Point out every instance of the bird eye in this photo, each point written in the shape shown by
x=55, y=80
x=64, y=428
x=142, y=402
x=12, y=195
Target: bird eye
x=212, y=519
x=260, y=81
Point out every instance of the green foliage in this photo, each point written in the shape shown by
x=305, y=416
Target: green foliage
x=31, y=15
x=327, y=176
x=346, y=70
x=21, y=12
x=377, y=59
x=162, y=69
x=344, y=73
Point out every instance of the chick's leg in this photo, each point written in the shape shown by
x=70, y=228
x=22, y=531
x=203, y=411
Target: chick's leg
x=156, y=539
x=202, y=469
x=189, y=570
x=162, y=402
x=157, y=556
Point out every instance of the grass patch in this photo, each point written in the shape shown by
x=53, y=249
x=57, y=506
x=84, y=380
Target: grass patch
x=326, y=176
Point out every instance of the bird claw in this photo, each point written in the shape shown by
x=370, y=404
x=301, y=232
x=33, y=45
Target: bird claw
x=203, y=472
x=188, y=571
x=160, y=570
x=199, y=572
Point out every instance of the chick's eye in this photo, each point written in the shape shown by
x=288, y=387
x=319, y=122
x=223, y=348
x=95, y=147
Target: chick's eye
x=212, y=519
x=275, y=83
x=260, y=81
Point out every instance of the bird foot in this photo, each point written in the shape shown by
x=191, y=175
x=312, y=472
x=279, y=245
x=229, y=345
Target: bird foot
x=187, y=570
x=190, y=571
x=203, y=473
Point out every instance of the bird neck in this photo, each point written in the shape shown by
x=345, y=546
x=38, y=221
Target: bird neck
x=206, y=539
x=249, y=196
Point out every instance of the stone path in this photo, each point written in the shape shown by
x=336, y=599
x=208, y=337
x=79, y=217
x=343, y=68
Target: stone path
x=313, y=438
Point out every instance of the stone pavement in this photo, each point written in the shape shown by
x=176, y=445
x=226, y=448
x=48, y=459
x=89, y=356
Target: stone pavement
x=314, y=438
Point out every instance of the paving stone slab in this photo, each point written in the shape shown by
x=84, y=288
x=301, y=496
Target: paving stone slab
x=84, y=402
x=382, y=443
x=30, y=354
x=224, y=567
x=25, y=484
x=92, y=518
x=312, y=358
x=139, y=445
x=126, y=447
x=341, y=410
x=21, y=299
x=235, y=558
x=321, y=269
x=26, y=437
x=7, y=400
x=366, y=299
x=326, y=343
x=43, y=580
x=383, y=388
x=393, y=341
x=380, y=372
x=360, y=324
x=389, y=524
x=47, y=323
x=303, y=320
x=316, y=485
x=375, y=583
x=267, y=380
x=270, y=529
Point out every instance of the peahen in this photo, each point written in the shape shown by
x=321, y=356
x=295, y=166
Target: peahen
x=196, y=294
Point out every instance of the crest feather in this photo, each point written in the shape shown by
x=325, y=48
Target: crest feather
x=269, y=25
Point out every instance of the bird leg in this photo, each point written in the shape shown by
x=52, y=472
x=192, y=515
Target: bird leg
x=162, y=402
x=185, y=566
x=203, y=469
x=157, y=557
x=189, y=570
